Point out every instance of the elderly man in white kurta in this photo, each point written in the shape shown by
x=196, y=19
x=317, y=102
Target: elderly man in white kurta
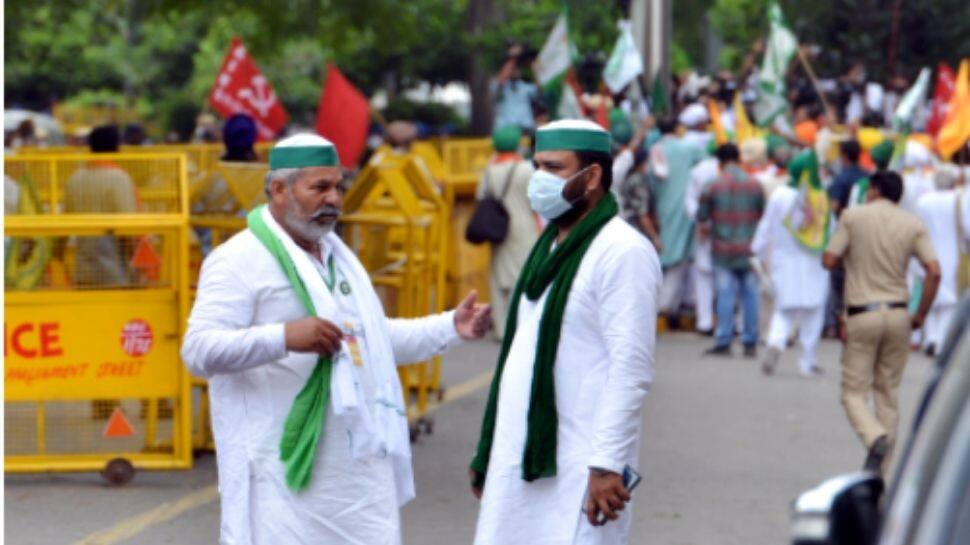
x=563, y=416
x=309, y=420
x=799, y=282
x=938, y=210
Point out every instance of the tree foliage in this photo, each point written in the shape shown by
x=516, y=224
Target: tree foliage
x=162, y=55
x=851, y=31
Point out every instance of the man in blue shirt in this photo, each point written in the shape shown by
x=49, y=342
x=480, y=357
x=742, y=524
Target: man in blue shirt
x=513, y=95
x=851, y=173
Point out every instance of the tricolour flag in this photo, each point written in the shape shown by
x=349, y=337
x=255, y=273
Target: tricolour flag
x=945, y=82
x=241, y=88
x=553, y=70
x=624, y=64
x=343, y=116
x=956, y=127
x=780, y=47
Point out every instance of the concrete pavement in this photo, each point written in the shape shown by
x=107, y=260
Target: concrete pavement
x=724, y=452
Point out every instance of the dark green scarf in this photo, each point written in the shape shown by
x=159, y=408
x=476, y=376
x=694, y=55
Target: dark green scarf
x=301, y=431
x=544, y=266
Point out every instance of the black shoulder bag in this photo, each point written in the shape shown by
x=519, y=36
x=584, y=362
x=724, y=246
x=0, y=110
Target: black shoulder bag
x=490, y=221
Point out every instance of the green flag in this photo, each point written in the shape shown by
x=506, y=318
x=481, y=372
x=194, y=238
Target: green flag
x=624, y=64
x=552, y=67
x=658, y=96
x=903, y=116
x=780, y=47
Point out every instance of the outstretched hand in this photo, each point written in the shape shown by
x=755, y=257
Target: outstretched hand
x=472, y=320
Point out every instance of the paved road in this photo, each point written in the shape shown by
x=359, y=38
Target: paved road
x=725, y=451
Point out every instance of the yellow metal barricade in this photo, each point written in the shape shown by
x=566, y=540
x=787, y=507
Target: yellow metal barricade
x=231, y=190
x=96, y=290
x=395, y=220
x=468, y=264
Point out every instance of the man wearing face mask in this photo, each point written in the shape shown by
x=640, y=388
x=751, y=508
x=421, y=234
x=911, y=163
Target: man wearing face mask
x=308, y=416
x=562, y=423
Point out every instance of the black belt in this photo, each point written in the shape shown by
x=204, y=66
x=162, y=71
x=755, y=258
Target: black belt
x=851, y=311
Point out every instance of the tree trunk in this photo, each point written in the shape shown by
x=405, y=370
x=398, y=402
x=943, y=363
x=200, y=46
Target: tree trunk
x=480, y=13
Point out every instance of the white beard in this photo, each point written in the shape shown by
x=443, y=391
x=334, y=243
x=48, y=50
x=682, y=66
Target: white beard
x=308, y=230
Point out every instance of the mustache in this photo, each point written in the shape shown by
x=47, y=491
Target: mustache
x=324, y=212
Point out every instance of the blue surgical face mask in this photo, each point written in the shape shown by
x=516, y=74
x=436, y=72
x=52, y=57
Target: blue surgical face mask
x=545, y=194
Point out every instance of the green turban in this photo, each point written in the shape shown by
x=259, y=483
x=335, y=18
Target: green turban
x=506, y=138
x=804, y=166
x=881, y=153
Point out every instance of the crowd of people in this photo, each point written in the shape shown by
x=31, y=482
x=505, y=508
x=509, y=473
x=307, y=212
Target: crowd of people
x=830, y=222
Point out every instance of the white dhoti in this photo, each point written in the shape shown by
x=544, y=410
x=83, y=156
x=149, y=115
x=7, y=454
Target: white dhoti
x=809, y=321
x=704, y=286
x=673, y=288
x=938, y=212
x=937, y=325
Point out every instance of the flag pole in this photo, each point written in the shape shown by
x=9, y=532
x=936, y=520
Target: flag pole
x=814, y=80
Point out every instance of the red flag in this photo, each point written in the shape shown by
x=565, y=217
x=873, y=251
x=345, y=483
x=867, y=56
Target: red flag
x=343, y=116
x=241, y=88
x=945, y=83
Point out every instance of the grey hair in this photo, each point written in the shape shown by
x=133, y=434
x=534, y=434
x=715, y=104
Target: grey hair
x=288, y=175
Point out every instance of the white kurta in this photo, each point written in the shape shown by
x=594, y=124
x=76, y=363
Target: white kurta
x=799, y=279
x=603, y=369
x=236, y=339
x=701, y=176
x=938, y=212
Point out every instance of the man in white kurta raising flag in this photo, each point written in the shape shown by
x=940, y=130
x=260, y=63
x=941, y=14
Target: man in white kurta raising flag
x=309, y=420
x=562, y=424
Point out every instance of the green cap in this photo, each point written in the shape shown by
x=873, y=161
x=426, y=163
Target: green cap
x=506, y=138
x=881, y=153
x=621, y=129
x=572, y=135
x=301, y=151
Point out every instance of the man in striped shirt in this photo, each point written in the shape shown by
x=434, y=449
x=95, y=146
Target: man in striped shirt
x=729, y=211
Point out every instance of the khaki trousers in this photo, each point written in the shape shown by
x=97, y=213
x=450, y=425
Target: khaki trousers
x=872, y=361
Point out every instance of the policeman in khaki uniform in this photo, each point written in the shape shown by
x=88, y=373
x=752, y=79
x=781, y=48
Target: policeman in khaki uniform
x=875, y=242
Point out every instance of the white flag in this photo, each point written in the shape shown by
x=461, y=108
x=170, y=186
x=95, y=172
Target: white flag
x=556, y=54
x=624, y=64
x=780, y=47
x=913, y=98
x=568, y=107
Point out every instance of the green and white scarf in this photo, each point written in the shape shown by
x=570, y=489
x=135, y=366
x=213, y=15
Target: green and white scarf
x=304, y=423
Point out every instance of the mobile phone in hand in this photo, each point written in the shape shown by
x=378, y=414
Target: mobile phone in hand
x=630, y=478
